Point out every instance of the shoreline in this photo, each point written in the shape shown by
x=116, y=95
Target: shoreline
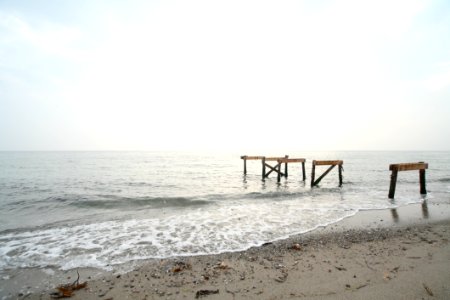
x=310, y=265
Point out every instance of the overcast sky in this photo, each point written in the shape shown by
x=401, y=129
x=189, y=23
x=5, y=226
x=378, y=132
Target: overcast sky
x=225, y=75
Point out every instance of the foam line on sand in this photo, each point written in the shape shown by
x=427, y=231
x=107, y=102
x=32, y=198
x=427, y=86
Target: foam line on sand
x=386, y=254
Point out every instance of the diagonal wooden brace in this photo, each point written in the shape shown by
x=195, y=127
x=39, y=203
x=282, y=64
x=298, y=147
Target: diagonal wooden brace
x=273, y=169
x=323, y=175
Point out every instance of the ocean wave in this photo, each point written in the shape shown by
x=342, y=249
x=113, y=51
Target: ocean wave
x=269, y=195
x=447, y=179
x=138, y=184
x=114, y=202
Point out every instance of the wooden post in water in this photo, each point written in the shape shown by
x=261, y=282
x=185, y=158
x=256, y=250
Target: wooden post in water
x=313, y=173
x=303, y=171
x=395, y=168
x=340, y=175
x=279, y=171
x=393, y=184
x=245, y=164
x=263, y=168
x=286, y=166
x=423, y=189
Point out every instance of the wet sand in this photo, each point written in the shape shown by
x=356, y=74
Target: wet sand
x=386, y=254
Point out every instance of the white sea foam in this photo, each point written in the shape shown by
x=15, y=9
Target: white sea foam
x=204, y=230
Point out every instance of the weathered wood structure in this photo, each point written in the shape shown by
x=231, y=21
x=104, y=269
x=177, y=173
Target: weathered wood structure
x=332, y=164
x=291, y=160
x=395, y=168
x=275, y=168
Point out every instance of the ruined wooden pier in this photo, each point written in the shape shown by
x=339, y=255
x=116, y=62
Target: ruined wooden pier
x=332, y=164
x=395, y=168
x=275, y=168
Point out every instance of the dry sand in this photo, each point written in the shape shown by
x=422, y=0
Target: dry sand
x=370, y=256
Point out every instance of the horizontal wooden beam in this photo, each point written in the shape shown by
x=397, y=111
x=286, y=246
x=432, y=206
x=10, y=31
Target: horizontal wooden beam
x=251, y=157
x=274, y=158
x=262, y=157
x=327, y=162
x=291, y=160
x=408, y=166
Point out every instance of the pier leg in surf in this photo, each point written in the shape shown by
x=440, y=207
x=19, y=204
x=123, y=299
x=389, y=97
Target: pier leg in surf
x=303, y=171
x=286, y=166
x=263, y=168
x=423, y=189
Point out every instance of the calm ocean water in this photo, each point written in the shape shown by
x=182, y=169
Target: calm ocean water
x=101, y=209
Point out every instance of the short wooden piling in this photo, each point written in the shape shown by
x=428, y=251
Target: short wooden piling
x=395, y=168
x=332, y=164
x=279, y=171
x=303, y=171
x=245, y=163
x=263, y=168
x=393, y=183
x=423, y=189
x=286, y=166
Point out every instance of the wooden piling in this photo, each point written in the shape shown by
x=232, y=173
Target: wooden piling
x=279, y=172
x=286, y=166
x=313, y=173
x=393, y=184
x=303, y=171
x=245, y=163
x=263, y=168
x=423, y=189
x=395, y=168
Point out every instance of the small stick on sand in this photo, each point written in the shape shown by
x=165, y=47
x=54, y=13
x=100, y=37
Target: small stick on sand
x=428, y=289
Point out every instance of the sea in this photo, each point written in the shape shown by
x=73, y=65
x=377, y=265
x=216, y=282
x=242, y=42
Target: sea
x=68, y=210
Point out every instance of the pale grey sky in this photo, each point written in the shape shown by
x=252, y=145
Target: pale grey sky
x=225, y=75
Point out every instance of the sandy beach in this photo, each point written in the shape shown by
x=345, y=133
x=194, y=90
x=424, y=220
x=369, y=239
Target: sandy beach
x=386, y=254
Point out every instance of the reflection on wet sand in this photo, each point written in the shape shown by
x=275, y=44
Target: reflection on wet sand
x=394, y=214
x=425, y=210
x=425, y=213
